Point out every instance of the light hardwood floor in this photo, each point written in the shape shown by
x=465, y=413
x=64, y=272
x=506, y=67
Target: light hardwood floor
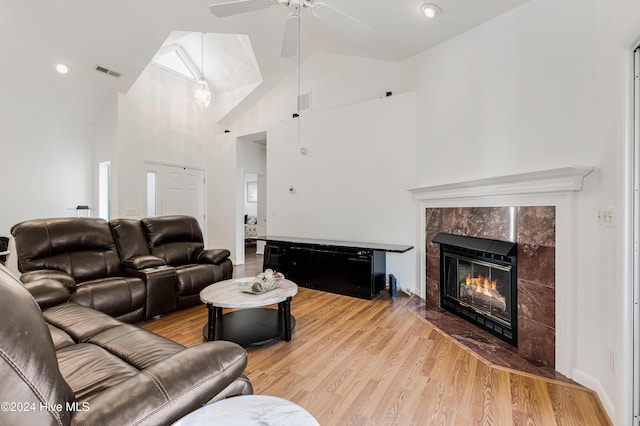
x=359, y=362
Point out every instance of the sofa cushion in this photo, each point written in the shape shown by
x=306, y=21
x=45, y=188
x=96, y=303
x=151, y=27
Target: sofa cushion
x=82, y=247
x=59, y=337
x=113, y=296
x=135, y=345
x=89, y=369
x=193, y=278
x=79, y=322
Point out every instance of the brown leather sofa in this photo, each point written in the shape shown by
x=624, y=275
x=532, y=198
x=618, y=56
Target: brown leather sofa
x=129, y=269
x=80, y=253
x=177, y=241
x=62, y=363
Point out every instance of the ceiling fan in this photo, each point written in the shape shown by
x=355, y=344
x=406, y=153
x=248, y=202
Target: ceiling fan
x=333, y=16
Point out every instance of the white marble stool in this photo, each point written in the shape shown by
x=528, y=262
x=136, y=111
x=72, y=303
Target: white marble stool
x=250, y=410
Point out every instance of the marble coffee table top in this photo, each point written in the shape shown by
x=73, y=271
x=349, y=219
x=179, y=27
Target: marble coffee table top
x=234, y=293
x=250, y=410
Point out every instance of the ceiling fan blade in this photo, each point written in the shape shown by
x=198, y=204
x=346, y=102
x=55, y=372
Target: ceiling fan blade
x=291, y=35
x=341, y=21
x=239, y=6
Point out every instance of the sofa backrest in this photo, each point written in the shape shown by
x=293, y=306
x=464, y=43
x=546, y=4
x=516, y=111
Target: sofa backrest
x=31, y=379
x=130, y=238
x=82, y=247
x=176, y=239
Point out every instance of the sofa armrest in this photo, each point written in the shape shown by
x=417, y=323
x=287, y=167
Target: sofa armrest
x=52, y=274
x=214, y=256
x=144, y=262
x=161, y=288
x=167, y=391
x=241, y=386
x=48, y=292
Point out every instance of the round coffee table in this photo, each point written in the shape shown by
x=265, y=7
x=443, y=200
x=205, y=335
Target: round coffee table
x=250, y=410
x=253, y=326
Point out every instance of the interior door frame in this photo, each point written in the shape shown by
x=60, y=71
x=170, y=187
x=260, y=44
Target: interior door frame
x=635, y=219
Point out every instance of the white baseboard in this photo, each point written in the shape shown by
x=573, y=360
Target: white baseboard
x=594, y=384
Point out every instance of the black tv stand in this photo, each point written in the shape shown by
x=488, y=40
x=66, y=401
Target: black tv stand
x=349, y=268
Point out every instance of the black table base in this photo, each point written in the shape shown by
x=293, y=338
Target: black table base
x=251, y=326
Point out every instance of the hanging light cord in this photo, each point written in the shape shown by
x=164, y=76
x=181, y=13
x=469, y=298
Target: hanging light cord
x=202, y=56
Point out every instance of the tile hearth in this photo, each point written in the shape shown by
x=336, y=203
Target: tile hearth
x=488, y=347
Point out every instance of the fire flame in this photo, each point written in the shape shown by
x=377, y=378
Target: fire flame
x=482, y=283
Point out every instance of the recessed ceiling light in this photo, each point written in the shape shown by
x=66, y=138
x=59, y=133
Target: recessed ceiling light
x=430, y=10
x=63, y=68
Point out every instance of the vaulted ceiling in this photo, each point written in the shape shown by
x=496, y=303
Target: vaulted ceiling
x=124, y=35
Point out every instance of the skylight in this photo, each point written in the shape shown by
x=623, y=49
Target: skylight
x=173, y=58
x=230, y=66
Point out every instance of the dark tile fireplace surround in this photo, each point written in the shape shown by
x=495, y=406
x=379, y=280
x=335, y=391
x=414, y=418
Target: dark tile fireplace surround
x=533, y=229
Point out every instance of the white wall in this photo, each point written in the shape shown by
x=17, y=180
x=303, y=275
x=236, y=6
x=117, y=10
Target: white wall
x=158, y=122
x=224, y=208
x=351, y=183
x=541, y=87
x=333, y=80
x=105, y=138
x=46, y=168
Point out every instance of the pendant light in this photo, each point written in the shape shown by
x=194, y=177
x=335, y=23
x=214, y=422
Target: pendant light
x=202, y=93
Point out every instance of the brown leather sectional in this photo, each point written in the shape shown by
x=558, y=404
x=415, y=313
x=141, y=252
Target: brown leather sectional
x=62, y=363
x=129, y=269
x=67, y=353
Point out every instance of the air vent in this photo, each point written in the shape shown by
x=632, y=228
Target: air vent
x=107, y=71
x=304, y=102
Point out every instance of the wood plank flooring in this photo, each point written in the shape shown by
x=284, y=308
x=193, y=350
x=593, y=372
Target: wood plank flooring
x=359, y=362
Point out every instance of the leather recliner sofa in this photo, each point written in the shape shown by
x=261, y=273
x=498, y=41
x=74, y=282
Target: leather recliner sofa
x=175, y=241
x=82, y=254
x=129, y=269
x=66, y=364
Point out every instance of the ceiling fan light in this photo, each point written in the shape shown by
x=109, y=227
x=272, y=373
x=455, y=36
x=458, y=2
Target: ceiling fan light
x=430, y=10
x=202, y=95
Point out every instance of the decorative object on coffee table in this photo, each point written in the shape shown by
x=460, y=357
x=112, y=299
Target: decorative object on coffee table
x=265, y=281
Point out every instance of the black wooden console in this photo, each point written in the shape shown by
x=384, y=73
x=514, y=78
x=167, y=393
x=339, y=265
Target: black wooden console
x=349, y=268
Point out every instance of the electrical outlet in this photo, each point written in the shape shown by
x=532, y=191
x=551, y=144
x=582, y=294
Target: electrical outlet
x=606, y=216
x=611, y=362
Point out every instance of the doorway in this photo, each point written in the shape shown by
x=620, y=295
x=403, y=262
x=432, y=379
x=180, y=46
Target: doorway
x=251, y=154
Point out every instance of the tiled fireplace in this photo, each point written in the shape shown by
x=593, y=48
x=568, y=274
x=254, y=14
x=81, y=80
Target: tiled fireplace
x=533, y=231
x=535, y=211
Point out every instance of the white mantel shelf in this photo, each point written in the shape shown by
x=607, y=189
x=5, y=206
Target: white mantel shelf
x=562, y=180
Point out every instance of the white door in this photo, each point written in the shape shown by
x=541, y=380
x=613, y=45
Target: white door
x=183, y=192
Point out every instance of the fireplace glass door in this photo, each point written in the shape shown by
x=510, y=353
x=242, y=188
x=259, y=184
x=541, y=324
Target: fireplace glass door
x=483, y=286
